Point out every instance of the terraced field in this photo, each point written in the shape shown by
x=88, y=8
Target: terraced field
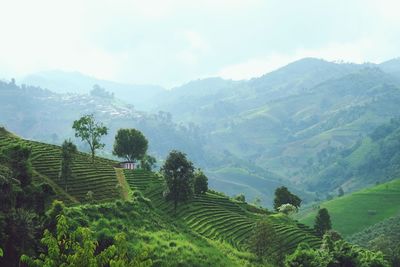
x=99, y=177
x=210, y=215
x=217, y=217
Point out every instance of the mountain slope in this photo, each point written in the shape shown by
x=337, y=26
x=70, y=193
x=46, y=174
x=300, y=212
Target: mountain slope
x=374, y=158
x=291, y=118
x=203, y=228
x=356, y=211
x=99, y=178
x=141, y=96
x=249, y=136
x=216, y=217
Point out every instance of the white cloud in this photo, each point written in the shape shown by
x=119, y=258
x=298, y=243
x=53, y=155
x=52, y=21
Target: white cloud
x=170, y=41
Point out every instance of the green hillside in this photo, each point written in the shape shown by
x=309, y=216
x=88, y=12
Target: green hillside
x=98, y=178
x=354, y=212
x=374, y=158
x=208, y=229
x=216, y=217
x=287, y=127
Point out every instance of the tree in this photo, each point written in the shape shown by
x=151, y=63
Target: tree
x=200, y=182
x=78, y=248
x=68, y=151
x=322, y=222
x=284, y=196
x=21, y=229
x=90, y=131
x=130, y=144
x=240, y=197
x=178, y=173
x=306, y=256
x=18, y=158
x=264, y=241
x=388, y=245
x=148, y=162
x=335, y=254
x=287, y=209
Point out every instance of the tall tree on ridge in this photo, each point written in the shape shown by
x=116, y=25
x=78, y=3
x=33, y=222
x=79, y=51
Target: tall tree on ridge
x=130, y=144
x=322, y=222
x=68, y=151
x=91, y=132
x=284, y=196
x=178, y=173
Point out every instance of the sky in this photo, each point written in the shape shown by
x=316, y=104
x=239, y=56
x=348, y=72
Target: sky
x=170, y=42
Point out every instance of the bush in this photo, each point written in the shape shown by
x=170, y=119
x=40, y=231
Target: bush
x=241, y=198
x=335, y=253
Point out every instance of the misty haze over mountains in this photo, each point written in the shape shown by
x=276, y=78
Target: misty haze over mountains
x=292, y=126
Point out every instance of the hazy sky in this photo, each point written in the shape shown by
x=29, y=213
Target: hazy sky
x=171, y=42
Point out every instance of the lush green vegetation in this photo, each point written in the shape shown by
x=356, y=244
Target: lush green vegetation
x=130, y=144
x=90, y=131
x=151, y=240
x=206, y=228
x=23, y=203
x=335, y=252
x=383, y=236
x=284, y=196
x=98, y=177
x=375, y=158
x=353, y=212
x=218, y=218
x=296, y=126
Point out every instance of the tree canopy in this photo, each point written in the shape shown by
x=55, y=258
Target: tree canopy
x=78, y=248
x=18, y=157
x=130, y=144
x=200, y=182
x=284, y=196
x=90, y=131
x=178, y=173
x=260, y=242
x=334, y=253
x=68, y=151
x=23, y=204
x=322, y=222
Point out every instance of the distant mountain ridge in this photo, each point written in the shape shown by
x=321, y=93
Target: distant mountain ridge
x=141, y=96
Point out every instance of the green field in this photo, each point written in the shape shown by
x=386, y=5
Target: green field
x=217, y=217
x=352, y=213
x=211, y=218
x=99, y=177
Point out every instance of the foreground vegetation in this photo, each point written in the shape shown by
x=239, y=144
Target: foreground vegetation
x=115, y=217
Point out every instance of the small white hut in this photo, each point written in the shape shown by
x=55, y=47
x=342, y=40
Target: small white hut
x=128, y=165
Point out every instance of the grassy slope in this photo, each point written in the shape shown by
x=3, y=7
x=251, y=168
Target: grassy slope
x=217, y=217
x=352, y=213
x=210, y=229
x=165, y=241
x=100, y=178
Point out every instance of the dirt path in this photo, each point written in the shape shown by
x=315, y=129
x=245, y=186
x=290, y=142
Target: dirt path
x=122, y=181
